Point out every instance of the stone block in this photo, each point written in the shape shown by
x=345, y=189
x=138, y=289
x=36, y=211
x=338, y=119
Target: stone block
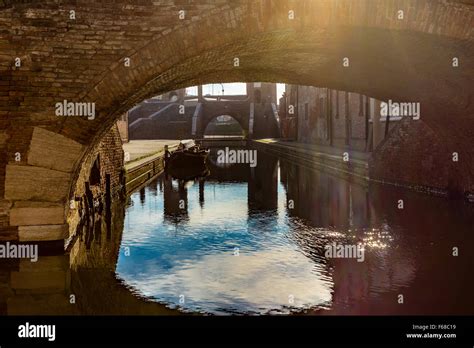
x=53, y=151
x=42, y=233
x=56, y=263
x=8, y=233
x=36, y=213
x=47, y=281
x=35, y=183
x=44, y=304
x=3, y=138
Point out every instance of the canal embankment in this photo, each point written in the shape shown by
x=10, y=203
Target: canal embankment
x=340, y=162
x=146, y=158
x=145, y=161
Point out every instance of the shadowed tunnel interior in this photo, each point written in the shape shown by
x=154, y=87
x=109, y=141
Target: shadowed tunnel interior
x=82, y=59
x=117, y=54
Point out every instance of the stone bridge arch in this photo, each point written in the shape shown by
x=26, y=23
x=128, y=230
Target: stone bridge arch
x=241, y=119
x=84, y=60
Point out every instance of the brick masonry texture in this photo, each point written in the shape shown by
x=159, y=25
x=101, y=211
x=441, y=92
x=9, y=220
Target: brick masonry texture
x=336, y=118
x=407, y=145
x=82, y=59
x=110, y=156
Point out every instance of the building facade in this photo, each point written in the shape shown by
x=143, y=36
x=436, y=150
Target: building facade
x=327, y=117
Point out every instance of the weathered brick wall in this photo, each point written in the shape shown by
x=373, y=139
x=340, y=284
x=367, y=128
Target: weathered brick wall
x=3, y=163
x=111, y=157
x=340, y=105
x=122, y=125
x=323, y=102
x=311, y=127
x=358, y=110
x=412, y=155
x=82, y=59
x=339, y=118
x=4, y=205
x=111, y=162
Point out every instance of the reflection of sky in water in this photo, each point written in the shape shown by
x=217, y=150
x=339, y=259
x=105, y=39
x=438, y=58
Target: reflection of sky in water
x=195, y=257
x=282, y=252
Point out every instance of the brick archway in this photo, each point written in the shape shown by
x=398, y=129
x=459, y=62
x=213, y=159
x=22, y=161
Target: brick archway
x=83, y=59
x=240, y=119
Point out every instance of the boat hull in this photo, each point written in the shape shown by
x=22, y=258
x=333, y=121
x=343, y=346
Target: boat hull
x=187, y=165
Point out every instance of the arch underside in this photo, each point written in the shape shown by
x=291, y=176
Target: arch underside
x=388, y=59
x=384, y=64
x=243, y=122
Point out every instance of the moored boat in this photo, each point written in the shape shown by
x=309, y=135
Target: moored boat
x=188, y=161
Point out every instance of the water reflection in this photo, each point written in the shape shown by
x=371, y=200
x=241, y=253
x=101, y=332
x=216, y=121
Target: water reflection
x=252, y=241
x=278, y=217
x=220, y=257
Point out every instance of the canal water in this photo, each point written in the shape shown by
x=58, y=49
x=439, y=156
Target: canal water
x=254, y=241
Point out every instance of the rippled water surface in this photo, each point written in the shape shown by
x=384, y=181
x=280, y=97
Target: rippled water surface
x=251, y=241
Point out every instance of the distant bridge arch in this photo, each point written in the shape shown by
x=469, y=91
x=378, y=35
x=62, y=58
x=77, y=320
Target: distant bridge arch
x=239, y=119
